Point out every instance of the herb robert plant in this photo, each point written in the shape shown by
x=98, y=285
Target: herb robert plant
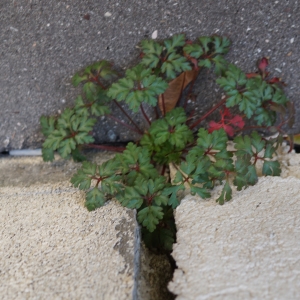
x=136, y=177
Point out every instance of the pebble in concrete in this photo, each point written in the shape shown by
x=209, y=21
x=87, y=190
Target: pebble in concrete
x=247, y=249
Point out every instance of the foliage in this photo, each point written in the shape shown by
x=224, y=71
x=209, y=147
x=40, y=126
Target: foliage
x=202, y=156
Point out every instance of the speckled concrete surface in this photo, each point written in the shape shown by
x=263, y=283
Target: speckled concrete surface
x=43, y=43
x=53, y=248
x=248, y=248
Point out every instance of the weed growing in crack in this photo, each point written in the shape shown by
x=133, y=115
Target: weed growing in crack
x=136, y=176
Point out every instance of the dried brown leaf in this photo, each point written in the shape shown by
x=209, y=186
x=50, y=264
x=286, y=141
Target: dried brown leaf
x=172, y=94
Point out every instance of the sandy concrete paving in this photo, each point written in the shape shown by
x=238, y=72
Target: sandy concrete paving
x=248, y=248
x=53, y=248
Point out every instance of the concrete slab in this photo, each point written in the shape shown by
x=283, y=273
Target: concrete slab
x=53, y=248
x=45, y=42
x=248, y=248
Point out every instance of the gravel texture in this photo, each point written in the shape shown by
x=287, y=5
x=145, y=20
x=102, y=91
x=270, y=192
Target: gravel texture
x=45, y=42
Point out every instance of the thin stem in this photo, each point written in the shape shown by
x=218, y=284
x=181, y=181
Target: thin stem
x=145, y=115
x=130, y=119
x=163, y=103
x=208, y=113
x=251, y=127
x=190, y=89
x=96, y=79
x=106, y=147
x=124, y=124
x=156, y=112
x=186, y=178
x=163, y=170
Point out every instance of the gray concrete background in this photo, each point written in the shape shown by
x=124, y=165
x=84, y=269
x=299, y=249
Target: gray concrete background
x=43, y=43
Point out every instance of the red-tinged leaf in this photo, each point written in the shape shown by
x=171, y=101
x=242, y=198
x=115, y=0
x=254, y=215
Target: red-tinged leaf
x=251, y=75
x=214, y=126
x=276, y=80
x=172, y=94
x=237, y=121
x=262, y=65
x=188, y=42
x=229, y=130
x=194, y=61
x=226, y=112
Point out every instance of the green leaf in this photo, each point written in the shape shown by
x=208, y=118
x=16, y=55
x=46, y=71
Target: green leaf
x=171, y=129
x=120, y=89
x=246, y=172
x=103, y=69
x=221, y=45
x=172, y=192
x=66, y=147
x=54, y=139
x=150, y=216
x=248, y=104
x=257, y=142
x=271, y=168
x=112, y=185
x=153, y=86
x=194, y=50
x=131, y=198
x=205, y=41
x=76, y=79
x=177, y=40
x=138, y=73
x=48, y=154
x=202, y=192
x=243, y=145
x=216, y=140
x=82, y=178
x=270, y=150
x=174, y=64
x=220, y=65
x=77, y=156
x=205, y=63
x=279, y=97
x=109, y=167
x=48, y=125
x=99, y=110
x=265, y=117
x=94, y=199
x=226, y=194
x=152, y=52
x=159, y=239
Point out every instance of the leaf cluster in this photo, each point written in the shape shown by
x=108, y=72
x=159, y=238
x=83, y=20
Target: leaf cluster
x=138, y=177
x=253, y=96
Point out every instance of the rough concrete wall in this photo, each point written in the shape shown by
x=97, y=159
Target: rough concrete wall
x=248, y=248
x=53, y=248
x=43, y=43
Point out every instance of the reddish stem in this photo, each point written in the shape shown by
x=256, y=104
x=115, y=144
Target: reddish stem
x=163, y=104
x=163, y=170
x=130, y=119
x=190, y=90
x=208, y=113
x=106, y=147
x=96, y=79
x=144, y=114
x=124, y=124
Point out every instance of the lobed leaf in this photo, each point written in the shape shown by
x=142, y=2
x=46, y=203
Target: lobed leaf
x=150, y=216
